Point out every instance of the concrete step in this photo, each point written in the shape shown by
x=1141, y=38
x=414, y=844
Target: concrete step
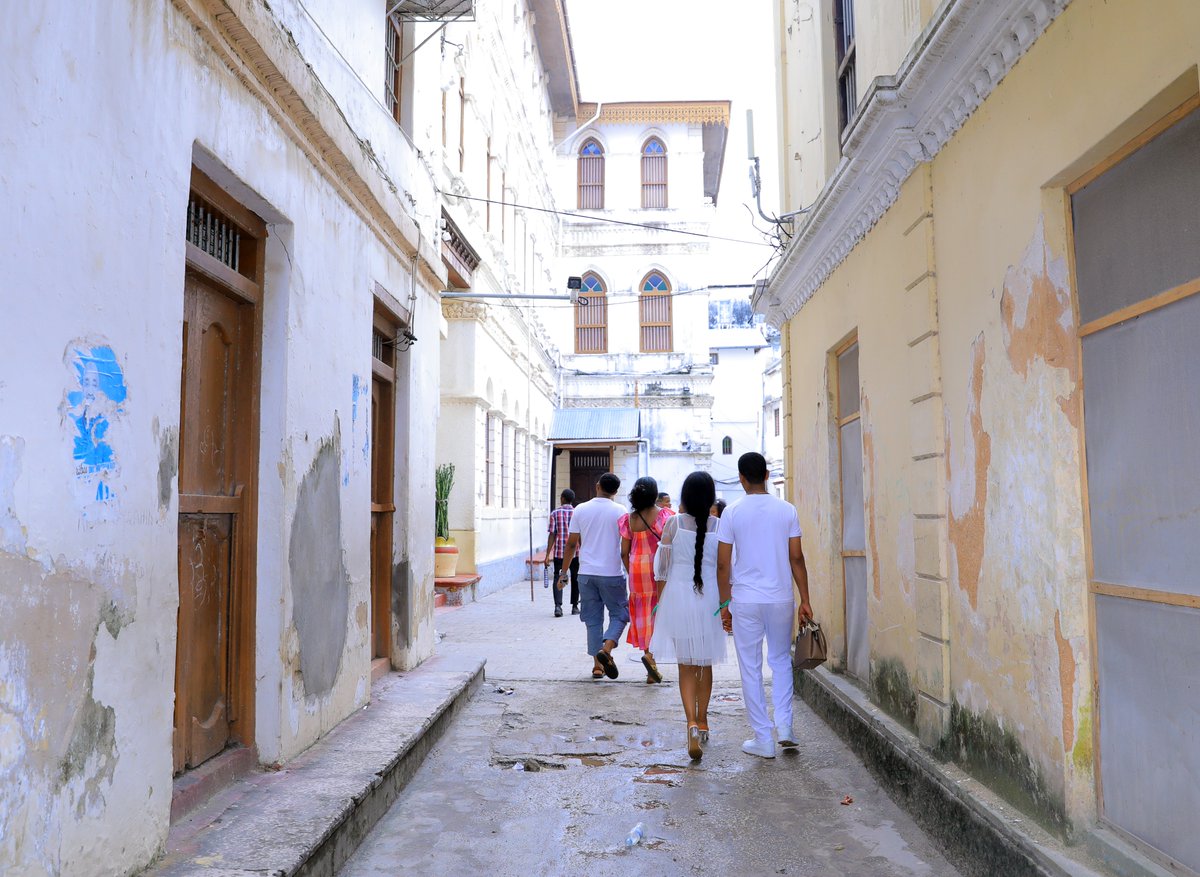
x=307, y=818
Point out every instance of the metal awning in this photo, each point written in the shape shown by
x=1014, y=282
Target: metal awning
x=602, y=425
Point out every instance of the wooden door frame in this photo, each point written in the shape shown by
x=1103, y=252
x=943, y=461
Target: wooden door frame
x=1094, y=588
x=384, y=372
x=246, y=287
x=838, y=422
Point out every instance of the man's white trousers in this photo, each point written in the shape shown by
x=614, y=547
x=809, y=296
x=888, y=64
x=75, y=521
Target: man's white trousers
x=752, y=623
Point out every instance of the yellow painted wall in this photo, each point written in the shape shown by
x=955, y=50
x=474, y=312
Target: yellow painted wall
x=1007, y=369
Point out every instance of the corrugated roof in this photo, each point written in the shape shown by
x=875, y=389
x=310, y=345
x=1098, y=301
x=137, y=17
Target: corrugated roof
x=737, y=336
x=609, y=424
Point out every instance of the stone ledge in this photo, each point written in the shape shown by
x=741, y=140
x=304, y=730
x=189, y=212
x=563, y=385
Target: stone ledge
x=981, y=836
x=308, y=818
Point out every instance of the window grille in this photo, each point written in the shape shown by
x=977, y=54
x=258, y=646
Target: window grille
x=847, y=85
x=654, y=306
x=727, y=445
x=776, y=420
x=377, y=345
x=591, y=320
x=654, y=174
x=505, y=463
x=214, y=232
x=591, y=176
x=394, y=52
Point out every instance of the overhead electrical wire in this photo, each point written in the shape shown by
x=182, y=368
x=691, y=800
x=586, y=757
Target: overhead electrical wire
x=590, y=218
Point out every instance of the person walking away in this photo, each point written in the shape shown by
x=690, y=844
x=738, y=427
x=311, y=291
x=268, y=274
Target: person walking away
x=759, y=555
x=556, y=546
x=664, y=502
x=641, y=530
x=686, y=629
x=593, y=536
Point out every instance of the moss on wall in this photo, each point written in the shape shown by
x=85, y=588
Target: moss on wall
x=994, y=755
x=892, y=690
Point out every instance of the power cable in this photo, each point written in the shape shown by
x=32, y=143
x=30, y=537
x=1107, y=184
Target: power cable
x=698, y=234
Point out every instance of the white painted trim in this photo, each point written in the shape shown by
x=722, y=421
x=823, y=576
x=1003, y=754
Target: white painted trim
x=903, y=121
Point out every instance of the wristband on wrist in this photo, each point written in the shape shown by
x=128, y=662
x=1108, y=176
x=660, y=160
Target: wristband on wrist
x=722, y=606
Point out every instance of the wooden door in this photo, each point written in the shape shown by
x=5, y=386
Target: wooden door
x=383, y=506
x=586, y=469
x=213, y=475
x=854, y=522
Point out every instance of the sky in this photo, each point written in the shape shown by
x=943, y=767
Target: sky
x=693, y=50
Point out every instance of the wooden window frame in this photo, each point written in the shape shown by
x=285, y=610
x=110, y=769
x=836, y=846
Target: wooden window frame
x=649, y=328
x=582, y=202
x=777, y=419
x=845, y=67
x=489, y=459
x=505, y=471
x=727, y=446
x=651, y=189
x=394, y=73
x=597, y=309
x=1147, y=305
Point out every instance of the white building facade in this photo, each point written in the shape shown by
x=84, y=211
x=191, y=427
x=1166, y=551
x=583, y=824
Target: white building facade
x=738, y=356
x=639, y=348
x=504, y=78
x=216, y=442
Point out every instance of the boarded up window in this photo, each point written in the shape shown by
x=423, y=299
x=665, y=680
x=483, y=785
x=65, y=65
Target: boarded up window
x=591, y=176
x=654, y=306
x=1136, y=225
x=591, y=319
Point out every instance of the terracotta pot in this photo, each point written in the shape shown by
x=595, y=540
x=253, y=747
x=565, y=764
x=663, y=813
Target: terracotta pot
x=445, y=560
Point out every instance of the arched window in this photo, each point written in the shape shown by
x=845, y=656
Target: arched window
x=591, y=176
x=654, y=174
x=727, y=445
x=591, y=319
x=654, y=307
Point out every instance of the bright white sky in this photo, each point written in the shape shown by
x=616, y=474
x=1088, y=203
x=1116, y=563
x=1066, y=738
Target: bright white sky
x=693, y=50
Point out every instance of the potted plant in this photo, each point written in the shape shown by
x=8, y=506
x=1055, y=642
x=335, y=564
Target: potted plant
x=445, y=552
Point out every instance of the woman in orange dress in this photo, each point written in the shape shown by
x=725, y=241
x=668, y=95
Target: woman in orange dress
x=641, y=530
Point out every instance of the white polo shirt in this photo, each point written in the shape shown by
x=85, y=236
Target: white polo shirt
x=600, y=541
x=758, y=526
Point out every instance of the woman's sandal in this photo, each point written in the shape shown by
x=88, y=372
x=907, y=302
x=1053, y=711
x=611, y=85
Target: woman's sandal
x=652, y=672
x=703, y=729
x=693, y=748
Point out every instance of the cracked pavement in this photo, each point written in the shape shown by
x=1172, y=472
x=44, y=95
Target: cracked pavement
x=550, y=777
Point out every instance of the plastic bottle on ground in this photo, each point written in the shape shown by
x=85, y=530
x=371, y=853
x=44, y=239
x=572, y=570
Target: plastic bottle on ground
x=635, y=835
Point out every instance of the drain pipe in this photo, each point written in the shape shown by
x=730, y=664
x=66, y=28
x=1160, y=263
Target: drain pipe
x=575, y=133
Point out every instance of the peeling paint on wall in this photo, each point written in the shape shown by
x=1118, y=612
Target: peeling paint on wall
x=967, y=479
x=168, y=464
x=90, y=408
x=320, y=583
x=1039, y=322
x=1066, y=676
x=12, y=534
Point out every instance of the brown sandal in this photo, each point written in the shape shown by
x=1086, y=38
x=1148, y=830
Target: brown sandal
x=652, y=672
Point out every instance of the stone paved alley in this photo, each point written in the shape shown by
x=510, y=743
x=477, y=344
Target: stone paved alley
x=601, y=756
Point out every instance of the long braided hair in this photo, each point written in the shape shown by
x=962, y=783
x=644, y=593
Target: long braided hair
x=696, y=498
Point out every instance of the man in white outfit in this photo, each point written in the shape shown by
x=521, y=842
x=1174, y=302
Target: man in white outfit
x=757, y=600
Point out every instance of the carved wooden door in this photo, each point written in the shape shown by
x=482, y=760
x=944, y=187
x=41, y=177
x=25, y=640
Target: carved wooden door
x=586, y=469
x=213, y=436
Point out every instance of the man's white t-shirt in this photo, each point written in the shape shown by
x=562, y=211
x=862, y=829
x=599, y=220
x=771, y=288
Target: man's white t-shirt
x=758, y=526
x=600, y=540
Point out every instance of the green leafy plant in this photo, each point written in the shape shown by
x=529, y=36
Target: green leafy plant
x=443, y=481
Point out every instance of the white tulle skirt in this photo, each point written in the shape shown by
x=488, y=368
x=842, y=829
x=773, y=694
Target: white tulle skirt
x=686, y=628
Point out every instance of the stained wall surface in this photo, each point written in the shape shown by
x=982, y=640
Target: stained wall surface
x=111, y=107
x=961, y=297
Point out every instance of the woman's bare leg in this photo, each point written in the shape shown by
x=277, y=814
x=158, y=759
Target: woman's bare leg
x=687, y=691
x=703, y=695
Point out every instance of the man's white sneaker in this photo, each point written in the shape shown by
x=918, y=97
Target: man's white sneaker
x=787, y=738
x=762, y=749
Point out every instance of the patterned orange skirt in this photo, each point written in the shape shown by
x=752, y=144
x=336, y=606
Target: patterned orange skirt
x=641, y=590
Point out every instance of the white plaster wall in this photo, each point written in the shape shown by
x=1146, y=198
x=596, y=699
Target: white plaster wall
x=132, y=94
x=737, y=412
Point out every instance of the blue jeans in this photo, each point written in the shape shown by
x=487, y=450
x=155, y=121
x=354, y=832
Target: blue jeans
x=597, y=593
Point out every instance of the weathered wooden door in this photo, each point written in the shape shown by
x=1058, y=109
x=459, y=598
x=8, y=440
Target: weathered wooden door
x=586, y=469
x=383, y=448
x=854, y=523
x=213, y=464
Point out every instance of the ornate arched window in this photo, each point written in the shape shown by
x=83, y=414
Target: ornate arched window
x=654, y=173
x=591, y=319
x=727, y=445
x=591, y=175
x=654, y=313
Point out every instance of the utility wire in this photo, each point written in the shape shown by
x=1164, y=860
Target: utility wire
x=589, y=218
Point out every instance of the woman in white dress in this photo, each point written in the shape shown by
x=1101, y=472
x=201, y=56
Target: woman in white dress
x=687, y=629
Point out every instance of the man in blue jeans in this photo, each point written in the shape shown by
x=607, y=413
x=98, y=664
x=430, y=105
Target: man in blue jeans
x=594, y=535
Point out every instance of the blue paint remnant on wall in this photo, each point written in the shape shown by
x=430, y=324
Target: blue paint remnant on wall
x=360, y=389
x=91, y=409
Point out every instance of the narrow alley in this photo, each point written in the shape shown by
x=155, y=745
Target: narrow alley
x=546, y=771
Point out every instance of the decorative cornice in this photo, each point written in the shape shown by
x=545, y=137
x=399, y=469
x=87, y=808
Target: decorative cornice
x=903, y=121
x=463, y=310
x=715, y=112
